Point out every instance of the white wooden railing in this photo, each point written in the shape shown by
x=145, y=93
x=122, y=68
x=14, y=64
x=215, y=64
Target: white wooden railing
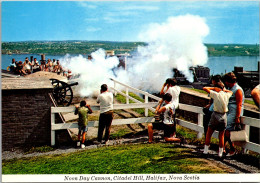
x=150, y=105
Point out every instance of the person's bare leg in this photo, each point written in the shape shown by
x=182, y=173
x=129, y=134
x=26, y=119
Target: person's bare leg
x=207, y=140
x=256, y=96
x=150, y=132
x=172, y=139
x=221, y=143
x=83, y=137
x=232, y=146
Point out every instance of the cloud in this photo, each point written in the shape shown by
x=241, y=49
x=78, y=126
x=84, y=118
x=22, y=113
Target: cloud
x=142, y=8
x=86, y=5
x=112, y=19
x=91, y=19
x=217, y=5
x=93, y=29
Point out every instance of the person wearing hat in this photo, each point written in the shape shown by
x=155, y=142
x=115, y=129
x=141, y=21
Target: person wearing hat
x=105, y=99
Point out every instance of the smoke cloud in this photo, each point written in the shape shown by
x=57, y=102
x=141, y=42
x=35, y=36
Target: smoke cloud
x=93, y=73
x=176, y=43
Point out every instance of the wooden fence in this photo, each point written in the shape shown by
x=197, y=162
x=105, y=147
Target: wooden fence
x=247, y=121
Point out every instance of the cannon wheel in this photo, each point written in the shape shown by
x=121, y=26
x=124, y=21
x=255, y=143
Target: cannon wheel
x=62, y=92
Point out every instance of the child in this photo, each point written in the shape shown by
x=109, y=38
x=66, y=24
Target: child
x=167, y=123
x=83, y=112
x=218, y=120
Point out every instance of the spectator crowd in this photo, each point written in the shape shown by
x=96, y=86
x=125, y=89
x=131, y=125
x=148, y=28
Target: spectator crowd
x=29, y=67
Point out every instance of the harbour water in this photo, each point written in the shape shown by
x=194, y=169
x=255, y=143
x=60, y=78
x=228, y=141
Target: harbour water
x=217, y=65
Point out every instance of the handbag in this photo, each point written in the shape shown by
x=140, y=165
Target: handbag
x=238, y=135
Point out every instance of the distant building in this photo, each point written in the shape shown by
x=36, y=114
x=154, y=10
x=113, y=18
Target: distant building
x=110, y=52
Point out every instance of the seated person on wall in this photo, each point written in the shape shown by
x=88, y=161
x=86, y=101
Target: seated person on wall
x=35, y=65
x=12, y=65
x=42, y=66
x=166, y=109
x=27, y=66
x=19, y=69
x=49, y=66
x=57, y=68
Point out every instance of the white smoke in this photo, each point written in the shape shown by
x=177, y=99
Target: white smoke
x=93, y=73
x=176, y=43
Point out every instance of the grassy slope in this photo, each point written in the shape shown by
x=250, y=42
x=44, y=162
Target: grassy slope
x=123, y=159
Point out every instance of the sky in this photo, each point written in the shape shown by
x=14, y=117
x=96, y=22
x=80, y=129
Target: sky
x=228, y=21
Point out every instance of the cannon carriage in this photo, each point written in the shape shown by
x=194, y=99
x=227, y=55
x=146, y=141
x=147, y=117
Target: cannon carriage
x=62, y=92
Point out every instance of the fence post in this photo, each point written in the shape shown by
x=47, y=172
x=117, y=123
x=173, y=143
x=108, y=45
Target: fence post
x=146, y=109
x=247, y=129
x=115, y=93
x=200, y=123
x=127, y=94
x=52, y=131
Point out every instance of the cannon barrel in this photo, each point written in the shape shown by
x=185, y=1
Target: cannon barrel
x=73, y=84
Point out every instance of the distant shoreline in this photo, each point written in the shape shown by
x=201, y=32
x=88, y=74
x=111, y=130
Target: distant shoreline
x=87, y=47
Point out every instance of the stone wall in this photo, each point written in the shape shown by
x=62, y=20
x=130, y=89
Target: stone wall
x=191, y=98
x=26, y=119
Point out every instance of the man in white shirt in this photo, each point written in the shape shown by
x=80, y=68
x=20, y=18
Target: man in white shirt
x=173, y=89
x=105, y=99
x=218, y=120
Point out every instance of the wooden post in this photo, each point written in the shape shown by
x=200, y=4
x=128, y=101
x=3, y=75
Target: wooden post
x=127, y=94
x=115, y=93
x=200, y=123
x=52, y=131
x=146, y=109
x=247, y=129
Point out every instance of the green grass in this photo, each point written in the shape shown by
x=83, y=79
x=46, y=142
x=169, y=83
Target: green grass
x=120, y=98
x=198, y=90
x=40, y=149
x=121, y=132
x=123, y=159
x=250, y=102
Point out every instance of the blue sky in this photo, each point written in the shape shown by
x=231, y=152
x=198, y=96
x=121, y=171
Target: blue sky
x=229, y=21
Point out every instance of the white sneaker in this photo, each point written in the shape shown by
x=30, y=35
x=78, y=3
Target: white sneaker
x=78, y=144
x=106, y=143
x=82, y=146
x=220, y=155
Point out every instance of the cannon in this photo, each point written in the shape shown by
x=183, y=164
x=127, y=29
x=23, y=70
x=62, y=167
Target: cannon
x=62, y=92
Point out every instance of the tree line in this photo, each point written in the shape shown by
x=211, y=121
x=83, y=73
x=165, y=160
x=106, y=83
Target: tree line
x=87, y=47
